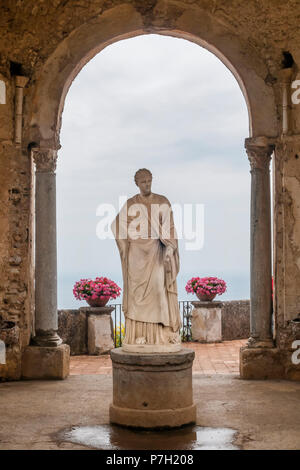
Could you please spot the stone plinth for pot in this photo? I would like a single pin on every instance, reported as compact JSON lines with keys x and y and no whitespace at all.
{"x":100,"y":329}
{"x":152,"y":390}
{"x":207,"y":322}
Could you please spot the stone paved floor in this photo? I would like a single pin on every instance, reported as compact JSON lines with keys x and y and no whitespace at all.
{"x":33,"y":414}
{"x":215,"y":358}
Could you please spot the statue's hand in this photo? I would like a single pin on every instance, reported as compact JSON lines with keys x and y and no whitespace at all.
{"x":168,"y":253}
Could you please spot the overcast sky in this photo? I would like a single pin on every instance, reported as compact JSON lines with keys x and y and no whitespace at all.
{"x":168,"y":105}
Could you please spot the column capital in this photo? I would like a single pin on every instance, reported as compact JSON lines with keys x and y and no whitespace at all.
{"x":259,"y":151}
{"x":45,"y":159}
{"x":21,"y":81}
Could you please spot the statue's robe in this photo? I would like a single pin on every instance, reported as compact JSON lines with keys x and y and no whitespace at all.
{"x":143,"y":229}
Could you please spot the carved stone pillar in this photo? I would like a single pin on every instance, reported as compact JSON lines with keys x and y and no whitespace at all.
{"x":259,"y":152}
{"x":46,"y":323}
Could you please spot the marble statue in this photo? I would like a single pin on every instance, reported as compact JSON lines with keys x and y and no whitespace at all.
{"x":147,"y":241}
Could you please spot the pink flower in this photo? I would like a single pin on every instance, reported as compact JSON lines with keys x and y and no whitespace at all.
{"x":206,"y":285}
{"x":100,"y":287}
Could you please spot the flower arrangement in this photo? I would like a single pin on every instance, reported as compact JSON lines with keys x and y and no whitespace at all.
{"x":206,"y":288}
{"x":96,"y":292}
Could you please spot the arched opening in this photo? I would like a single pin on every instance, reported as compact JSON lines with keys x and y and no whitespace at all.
{"x":170,"y":105}
{"x":44,"y":128}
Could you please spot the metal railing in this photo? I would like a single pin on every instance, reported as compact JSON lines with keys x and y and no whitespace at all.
{"x":185,"y":308}
{"x":119,"y":325}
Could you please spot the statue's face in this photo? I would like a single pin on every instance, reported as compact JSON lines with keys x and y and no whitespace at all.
{"x":144,"y":183}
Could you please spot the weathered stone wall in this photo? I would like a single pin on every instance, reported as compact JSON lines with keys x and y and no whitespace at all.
{"x":10,"y":336}
{"x":16,"y":216}
{"x":287,"y":237}
{"x":37,"y":27}
{"x":235,"y":319}
{"x":72,"y":328}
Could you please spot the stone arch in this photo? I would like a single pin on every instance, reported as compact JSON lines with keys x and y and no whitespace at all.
{"x":51,"y":83}
{"x":44,"y":106}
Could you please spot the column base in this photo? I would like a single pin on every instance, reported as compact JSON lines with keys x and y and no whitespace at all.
{"x":152,"y":390}
{"x":268,"y":363}
{"x":48,"y":339}
{"x":260,"y":344}
{"x":46,"y":362}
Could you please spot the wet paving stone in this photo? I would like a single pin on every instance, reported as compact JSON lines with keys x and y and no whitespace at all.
{"x":111,"y":437}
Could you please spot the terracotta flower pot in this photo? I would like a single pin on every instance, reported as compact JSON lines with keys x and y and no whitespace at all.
{"x":206,"y":297}
{"x":98,"y":302}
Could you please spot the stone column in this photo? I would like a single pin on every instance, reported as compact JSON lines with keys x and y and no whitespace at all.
{"x":259,"y":151}
{"x":46,"y":323}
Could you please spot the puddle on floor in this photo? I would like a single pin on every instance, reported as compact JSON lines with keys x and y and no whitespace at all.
{"x":110,"y":437}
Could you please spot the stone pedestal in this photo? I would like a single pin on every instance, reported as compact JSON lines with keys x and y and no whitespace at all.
{"x":100,"y":329}
{"x":207,"y":322}
{"x":261,"y":363}
{"x":268,"y":363}
{"x":152,"y":390}
{"x":39,"y":362}
{"x":151,"y":348}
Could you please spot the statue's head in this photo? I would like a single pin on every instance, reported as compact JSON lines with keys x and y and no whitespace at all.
{"x":143,"y":179}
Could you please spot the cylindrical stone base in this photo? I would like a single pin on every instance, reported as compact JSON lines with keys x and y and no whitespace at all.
{"x":152,"y":390}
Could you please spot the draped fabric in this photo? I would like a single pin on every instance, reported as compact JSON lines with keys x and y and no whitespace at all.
{"x":143,"y":229}
{"x":154,"y":333}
